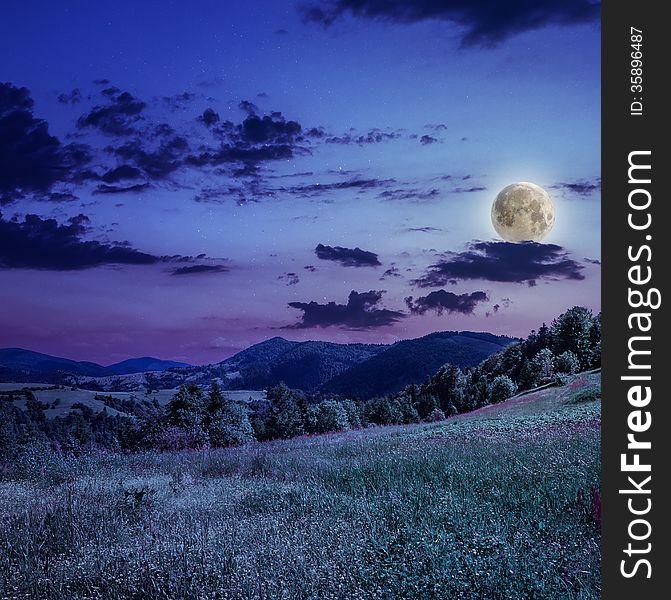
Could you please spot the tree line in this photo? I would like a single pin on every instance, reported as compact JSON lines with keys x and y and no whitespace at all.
{"x":197,"y":418}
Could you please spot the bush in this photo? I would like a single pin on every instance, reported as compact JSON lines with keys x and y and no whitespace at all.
{"x":542,"y":367}
{"x":501,"y":389}
{"x":436,"y":415}
{"x":353,"y":413}
{"x":560,"y":380}
{"x":567,"y":362}
{"x":590,"y":394}
{"x":329,"y":415}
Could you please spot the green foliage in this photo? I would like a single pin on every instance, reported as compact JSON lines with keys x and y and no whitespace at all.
{"x":226,"y":421}
{"x":193,"y":419}
{"x":501,"y":389}
{"x":353,"y":411}
{"x":186,"y":411}
{"x":576,"y":331}
{"x":590,"y":394}
{"x":567,"y":363}
{"x":329,"y":415}
{"x":447,"y":385}
{"x":287,"y":414}
{"x":384,"y":411}
{"x":542,"y":367}
{"x":463,"y":508}
{"x":436,"y":415}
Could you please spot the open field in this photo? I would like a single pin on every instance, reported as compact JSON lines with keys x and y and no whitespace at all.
{"x":65,"y":398}
{"x":483,"y":505}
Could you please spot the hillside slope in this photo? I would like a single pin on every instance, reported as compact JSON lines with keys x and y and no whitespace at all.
{"x":410,"y":361}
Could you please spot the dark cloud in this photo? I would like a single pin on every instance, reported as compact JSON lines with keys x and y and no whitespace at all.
{"x":273,"y":129}
{"x":101,"y":81}
{"x":123,"y":172}
{"x":118,"y":117}
{"x":582,"y":188}
{"x":31,"y":160}
{"x":199,"y":269}
{"x":37,"y":243}
{"x":392,"y":271}
{"x":413,"y":194}
{"x":290,"y":278}
{"x":505,"y":262}
{"x":442,"y":301}
{"x":483,"y":23}
{"x":209,"y":117}
{"x":157,"y":158}
{"x":120,"y":189}
{"x":361,"y":312}
{"x":179,"y":101}
{"x":256,"y":140}
{"x":72,"y":97}
{"x":249,"y":107}
{"x":424,"y":229}
{"x":111,"y":91}
{"x":219,"y":195}
{"x":426,"y":140}
{"x":310,"y":268}
{"x":467,"y":190}
{"x":61,"y":197}
{"x":374,"y":136}
{"x":347,"y":257}
{"x":315,"y":189}
{"x":316,"y":132}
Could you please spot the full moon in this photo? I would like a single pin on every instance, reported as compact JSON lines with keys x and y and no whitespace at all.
{"x":523,"y":212}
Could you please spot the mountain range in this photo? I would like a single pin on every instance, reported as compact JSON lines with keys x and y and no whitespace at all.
{"x":363,"y":370}
{"x":19,"y":363}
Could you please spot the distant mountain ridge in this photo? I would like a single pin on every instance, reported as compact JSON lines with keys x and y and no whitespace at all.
{"x":410,"y":361}
{"x":18,"y":362}
{"x":361,"y":370}
{"x":302,"y":365}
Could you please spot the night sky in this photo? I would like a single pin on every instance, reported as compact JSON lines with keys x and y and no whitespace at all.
{"x":183,"y":180}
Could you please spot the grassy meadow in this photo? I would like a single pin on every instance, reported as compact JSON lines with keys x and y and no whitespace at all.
{"x":498,"y":503}
{"x":62,"y":399}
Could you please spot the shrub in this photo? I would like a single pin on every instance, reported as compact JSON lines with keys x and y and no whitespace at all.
{"x":567,"y":362}
{"x":501,"y":389}
{"x":436,"y":415}
{"x":329,"y":415}
{"x":353,"y":413}
{"x":542,"y":367}
{"x":590,"y":394}
{"x":227,"y":422}
{"x":560,"y":380}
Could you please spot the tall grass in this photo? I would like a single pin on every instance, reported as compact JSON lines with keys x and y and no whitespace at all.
{"x":467,"y":508}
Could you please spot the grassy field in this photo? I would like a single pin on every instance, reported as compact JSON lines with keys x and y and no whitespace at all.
{"x":484,"y":505}
{"x":67,"y":397}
